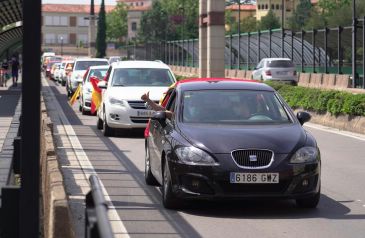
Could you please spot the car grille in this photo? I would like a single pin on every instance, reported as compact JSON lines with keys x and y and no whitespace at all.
{"x":253,"y":159}
{"x":251,"y":189}
{"x":138,"y":104}
{"x":139,"y":119}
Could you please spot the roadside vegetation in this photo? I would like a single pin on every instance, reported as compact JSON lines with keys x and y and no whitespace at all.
{"x":321,"y":101}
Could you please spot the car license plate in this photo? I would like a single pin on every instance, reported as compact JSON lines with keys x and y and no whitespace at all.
{"x":144,"y":113}
{"x":254,"y":177}
{"x":282,"y":73}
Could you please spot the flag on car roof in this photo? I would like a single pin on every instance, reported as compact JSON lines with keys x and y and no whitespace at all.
{"x":95,"y":95}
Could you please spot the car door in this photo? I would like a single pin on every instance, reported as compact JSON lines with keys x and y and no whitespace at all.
{"x":160,"y":139}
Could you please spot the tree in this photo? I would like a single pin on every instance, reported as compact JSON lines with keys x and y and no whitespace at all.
{"x":116,"y":23}
{"x":300,"y":16}
{"x":270,"y":21}
{"x":101,"y":34}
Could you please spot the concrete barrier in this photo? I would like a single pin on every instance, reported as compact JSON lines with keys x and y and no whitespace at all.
{"x":232,"y":73}
{"x":304,"y":79}
{"x":315,"y":81}
{"x":342,"y":81}
{"x":248,"y":74}
{"x":329,"y":81}
{"x":241,"y":74}
{"x":56,"y":212}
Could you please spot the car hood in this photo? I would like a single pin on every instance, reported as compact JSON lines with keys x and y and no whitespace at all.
{"x":135,"y":93}
{"x":217,"y":139}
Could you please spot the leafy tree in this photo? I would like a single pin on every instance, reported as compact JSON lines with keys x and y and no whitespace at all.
{"x":269,"y":21}
{"x":101,"y":34}
{"x":300,"y":16}
{"x":173,"y":19}
{"x":116,"y":22}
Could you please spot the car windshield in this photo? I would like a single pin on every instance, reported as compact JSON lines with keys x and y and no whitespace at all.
{"x":280,"y":64}
{"x":98,"y":73}
{"x":142,"y":77}
{"x":84,"y":65}
{"x":233,"y":107}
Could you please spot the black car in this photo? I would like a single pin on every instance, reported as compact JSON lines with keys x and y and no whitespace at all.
{"x":231,"y":139}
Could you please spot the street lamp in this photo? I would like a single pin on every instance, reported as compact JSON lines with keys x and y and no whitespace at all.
{"x":61,"y":38}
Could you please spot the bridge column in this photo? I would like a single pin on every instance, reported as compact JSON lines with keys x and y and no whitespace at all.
{"x":92,"y":30}
{"x":203,"y":39}
{"x":216,"y":38}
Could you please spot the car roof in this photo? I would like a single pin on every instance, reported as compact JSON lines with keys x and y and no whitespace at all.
{"x":140,"y":64}
{"x":277,"y":59}
{"x":225,"y":84}
{"x":100,"y":67}
{"x":91,"y":59}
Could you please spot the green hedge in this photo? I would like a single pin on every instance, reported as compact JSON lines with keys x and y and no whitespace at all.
{"x":321,"y":101}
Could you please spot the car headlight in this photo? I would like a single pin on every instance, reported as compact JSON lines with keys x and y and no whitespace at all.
{"x":305,"y":155}
{"x":116,"y":101}
{"x":194,"y":156}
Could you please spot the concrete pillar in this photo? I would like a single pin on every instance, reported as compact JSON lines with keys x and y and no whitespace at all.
{"x":216,"y":38}
{"x":92,"y":30}
{"x":92,"y":36}
{"x":203,"y":39}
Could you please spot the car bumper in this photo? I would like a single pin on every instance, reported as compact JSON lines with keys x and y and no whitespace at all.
{"x":213,"y":182}
{"x":126,"y":117}
{"x":86,"y":101}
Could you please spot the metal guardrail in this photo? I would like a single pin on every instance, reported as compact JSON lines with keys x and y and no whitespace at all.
{"x":97,"y":224}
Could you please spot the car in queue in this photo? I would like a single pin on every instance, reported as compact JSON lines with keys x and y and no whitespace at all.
{"x":78,"y":72}
{"x":126,"y":81}
{"x":231,"y":140}
{"x":276,"y":69}
{"x":66,"y":71}
{"x":56,"y":71}
{"x":98,"y":72}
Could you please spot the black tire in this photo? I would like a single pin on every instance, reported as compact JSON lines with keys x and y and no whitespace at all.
{"x":310,"y":202}
{"x":63,"y":83}
{"x":148,"y":176}
{"x":107,"y":131}
{"x":169,"y":200}
{"x":83,"y":111}
{"x":80,"y":108}
{"x":99,"y":124}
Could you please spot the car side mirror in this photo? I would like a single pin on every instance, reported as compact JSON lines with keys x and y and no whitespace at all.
{"x":102,"y":85}
{"x":159,"y":116}
{"x":303,"y":117}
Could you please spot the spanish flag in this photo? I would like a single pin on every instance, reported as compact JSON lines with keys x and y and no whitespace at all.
{"x":95,"y":95}
{"x":75,"y":96}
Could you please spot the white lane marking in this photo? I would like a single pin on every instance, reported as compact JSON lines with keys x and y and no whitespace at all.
{"x":87,"y":167}
{"x":336,"y":131}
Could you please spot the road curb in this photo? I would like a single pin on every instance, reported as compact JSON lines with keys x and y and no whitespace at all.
{"x":56,"y":211}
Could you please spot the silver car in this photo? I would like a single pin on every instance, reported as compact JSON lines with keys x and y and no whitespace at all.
{"x":278,"y":69}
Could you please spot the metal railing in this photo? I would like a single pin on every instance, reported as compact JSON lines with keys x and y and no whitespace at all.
{"x":97,"y":224}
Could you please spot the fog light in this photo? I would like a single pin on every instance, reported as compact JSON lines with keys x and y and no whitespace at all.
{"x":305,"y":182}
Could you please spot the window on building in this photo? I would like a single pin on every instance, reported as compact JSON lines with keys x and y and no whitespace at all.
{"x":277,"y":6}
{"x":134,"y":26}
{"x":272,"y":6}
{"x":259,"y":6}
{"x":50,"y":38}
{"x":81,"y":21}
{"x":266,"y":6}
{"x":82,"y":39}
{"x":141,"y":3}
{"x":55,"y":21}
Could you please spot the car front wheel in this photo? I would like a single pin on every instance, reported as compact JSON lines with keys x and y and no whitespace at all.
{"x":107,"y":131}
{"x":149,"y":178}
{"x":169,"y":200}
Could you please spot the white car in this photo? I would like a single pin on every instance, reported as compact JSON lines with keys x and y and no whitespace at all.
{"x":65,"y":67}
{"x":278,"y":69}
{"x":78,"y":72}
{"x":87,"y":88}
{"x":126,"y":82}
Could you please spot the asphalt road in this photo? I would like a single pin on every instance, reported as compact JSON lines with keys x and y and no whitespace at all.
{"x":137,"y":210}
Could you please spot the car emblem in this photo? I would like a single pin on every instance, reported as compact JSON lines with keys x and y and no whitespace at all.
{"x":253,"y":158}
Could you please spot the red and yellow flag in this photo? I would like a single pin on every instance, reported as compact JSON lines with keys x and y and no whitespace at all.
{"x":75,"y":96}
{"x":95,"y":95}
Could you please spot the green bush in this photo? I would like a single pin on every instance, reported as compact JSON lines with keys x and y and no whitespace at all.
{"x":321,"y":101}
